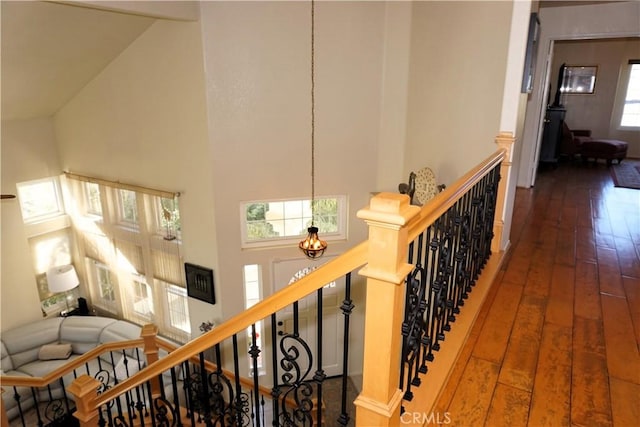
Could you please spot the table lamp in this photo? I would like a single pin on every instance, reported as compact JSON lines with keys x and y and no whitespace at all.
{"x":62,"y":279}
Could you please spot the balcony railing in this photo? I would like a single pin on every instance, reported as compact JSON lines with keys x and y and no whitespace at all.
{"x":427,"y":270}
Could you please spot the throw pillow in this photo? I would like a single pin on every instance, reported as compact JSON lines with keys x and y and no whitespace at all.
{"x":55,"y":351}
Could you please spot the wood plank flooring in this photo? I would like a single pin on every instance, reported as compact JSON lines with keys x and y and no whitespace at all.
{"x":557,"y":340}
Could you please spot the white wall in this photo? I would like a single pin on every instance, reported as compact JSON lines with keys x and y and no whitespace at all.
{"x":394,"y":97}
{"x":28,"y":153}
{"x":457,"y":74}
{"x":143,"y":121}
{"x":258,"y":88}
{"x":618,"y":19}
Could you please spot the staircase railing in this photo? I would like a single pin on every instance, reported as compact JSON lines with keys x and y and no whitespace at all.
{"x":437,"y":253}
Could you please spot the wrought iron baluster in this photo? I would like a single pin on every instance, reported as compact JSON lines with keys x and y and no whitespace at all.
{"x":319,"y":374}
{"x":405,"y":323}
{"x":449,"y":232}
{"x":295,"y":378}
{"x":346,"y":307}
{"x":458,"y":257}
{"x":241,"y":402}
{"x":296,"y":320}
{"x":477,"y":232}
{"x":116,"y":380}
{"x":203,"y":394}
{"x":422,"y":306}
{"x":433,"y":293}
{"x":440,"y":284}
{"x":262,"y":409}
{"x":275,"y":391}
{"x":427,"y":334}
{"x":465,"y":255}
{"x":412,"y":327}
{"x":176,"y":397}
{"x":254,"y":352}
{"x":147,"y":390}
{"x":18,"y":398}
{"x":65,"y":398}
{"x":189,"y":395}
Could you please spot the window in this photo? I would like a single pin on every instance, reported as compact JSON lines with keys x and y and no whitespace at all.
{"x":142,"y":298}
{"x":94,"y":205}
{"x":102,"y":287}
{"x":40,"y":199}
{"x":105,"y":285}
{"x":134,"y":268}
{"x":278,"y":222}
{"x":631,"y":108}
{"x":178,"y":308}
{"x":128,"y":210}
{"x":169,"y":218}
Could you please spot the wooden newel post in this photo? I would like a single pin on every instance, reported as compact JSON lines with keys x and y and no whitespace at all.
{"x":85,"y":389}
{"x":148,"y":334}
{"x":505,"y":140}
{"x":387,"y":216}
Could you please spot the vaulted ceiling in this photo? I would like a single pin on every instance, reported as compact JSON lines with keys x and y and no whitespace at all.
{"x":50,"y":51}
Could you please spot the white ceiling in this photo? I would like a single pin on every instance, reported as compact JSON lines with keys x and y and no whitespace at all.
{"x":50,"y":51}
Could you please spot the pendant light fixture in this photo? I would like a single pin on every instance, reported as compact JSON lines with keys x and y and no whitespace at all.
{"x":312,"y":246}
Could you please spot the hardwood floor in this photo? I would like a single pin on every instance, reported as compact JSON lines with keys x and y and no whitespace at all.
{"x":556,"y":342}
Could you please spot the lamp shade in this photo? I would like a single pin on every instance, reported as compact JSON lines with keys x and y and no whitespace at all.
{"x":62,"y":279}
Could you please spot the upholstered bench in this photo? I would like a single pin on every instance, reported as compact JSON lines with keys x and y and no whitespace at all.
{"x":606,"y":149}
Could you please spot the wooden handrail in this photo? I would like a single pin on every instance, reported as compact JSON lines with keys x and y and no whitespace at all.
{"x":9,"y":380}
{"x":437,"y":206}
{"x":332,"y":270}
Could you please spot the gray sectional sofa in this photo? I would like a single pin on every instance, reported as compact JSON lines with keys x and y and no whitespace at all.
{"x":38,"y":348}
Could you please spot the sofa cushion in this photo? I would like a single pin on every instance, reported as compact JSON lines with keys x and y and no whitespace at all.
{"x":40,"y":368}
{"x":5,"y":360}
{"x":121,"y":330}
{"x":83,"y":332}
{"x":23,"y":343}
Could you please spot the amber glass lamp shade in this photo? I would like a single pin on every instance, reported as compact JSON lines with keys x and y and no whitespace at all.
{"x":312,"y":246}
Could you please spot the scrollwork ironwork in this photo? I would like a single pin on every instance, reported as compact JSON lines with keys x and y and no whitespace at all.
{"x":225,"y":407}
{"x":295,"y":382}
{"x":165,"y":414}
{"x":449,"y":257}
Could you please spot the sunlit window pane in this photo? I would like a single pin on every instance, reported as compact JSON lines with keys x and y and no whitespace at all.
{"x":289,"y":219}
{"x":169,"y":217}
{"x":94,"y":205}
{"x":178,"y":308}
{"x":40,"y":199}
{"x":142,"y":299}
{"x":128,"y":208}
{"x":105,"y":285}
{"x":631,"y":109}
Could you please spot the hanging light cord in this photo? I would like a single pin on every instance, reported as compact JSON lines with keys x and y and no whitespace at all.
{"x":313,"y":114}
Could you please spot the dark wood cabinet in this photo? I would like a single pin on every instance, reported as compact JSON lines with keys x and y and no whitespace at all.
{"x":552,"y":134}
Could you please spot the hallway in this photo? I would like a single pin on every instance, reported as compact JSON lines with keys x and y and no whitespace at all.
{"x":556,"y":342}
